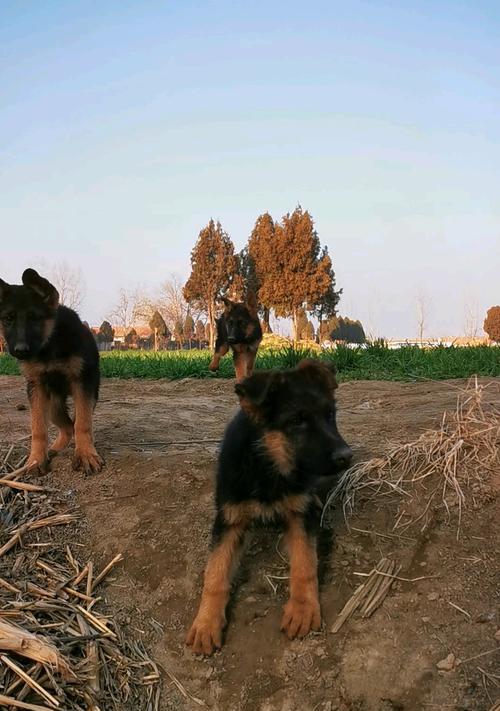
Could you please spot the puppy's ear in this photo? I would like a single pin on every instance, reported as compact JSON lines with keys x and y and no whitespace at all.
{"x":227,"y":302}
{"x":251,"y":304}
{"x":318,"y":371}
{"x":4,"y":287}
{"x":42,"y":287}
{"x":253,"y":392}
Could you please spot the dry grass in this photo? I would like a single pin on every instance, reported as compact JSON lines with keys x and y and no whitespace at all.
{"x":60,"y":647}
{"x":443,"y":467}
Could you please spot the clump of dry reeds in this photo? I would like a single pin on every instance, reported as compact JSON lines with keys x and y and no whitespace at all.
{"x":60,"y":646}
{"x":437,"y":468}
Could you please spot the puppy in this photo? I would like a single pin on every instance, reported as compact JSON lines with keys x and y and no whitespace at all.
{"x":58,"y":357}
{"x":239,"y":329}
{"x":275,"y":453}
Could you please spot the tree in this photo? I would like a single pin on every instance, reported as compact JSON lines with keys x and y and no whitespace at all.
{"x":188,"y":328}
{"x":123,"y":311}
{"x":309,"y":331}
{"x":179,"y":333}
{"x":208,"y":331}
{"x":159,"y":329}
{"x":345,"y":329}
{"x":326,"y":306}
{"x":301,"y":272}
{"x":301,"y":325}
{"x":422,"y":312}
{"x":131,"y":338}
{"x":492,"y":323}
{"x":106,"y":333}
{"x":471,"y":325}
{"x":213,"y":268}
{"x":259,"y":264}
{"x":69,"y":283}
{"x":199,"y":332}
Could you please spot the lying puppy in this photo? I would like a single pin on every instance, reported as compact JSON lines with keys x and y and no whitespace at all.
{"x":239,"y":329}
{"x":58,"y":357}
{"x":275,"y":452}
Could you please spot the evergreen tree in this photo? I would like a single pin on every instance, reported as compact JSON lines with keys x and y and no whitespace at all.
{"x":213,"y":269}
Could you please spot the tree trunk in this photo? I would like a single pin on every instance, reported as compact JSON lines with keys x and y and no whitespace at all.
{"x":156,"y":339}
{"x":266,"y":313}
{"x":295,"y":316}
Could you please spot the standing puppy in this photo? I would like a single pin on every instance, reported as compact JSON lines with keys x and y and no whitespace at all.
{"x":58,"y":358}
{"x":239,"y":329}
{"x":275,"y":452}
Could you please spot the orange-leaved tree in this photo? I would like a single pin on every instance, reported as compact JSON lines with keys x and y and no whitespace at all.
{"x":260,"y":261}
{"x":213,"y":268}
{"x":492,"y":323}
{"x":301,"y":273}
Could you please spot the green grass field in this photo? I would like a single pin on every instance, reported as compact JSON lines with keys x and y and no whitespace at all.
{"x":376,"y":362}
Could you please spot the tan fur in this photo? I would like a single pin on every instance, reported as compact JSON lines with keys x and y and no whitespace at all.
{"x":280,"y":450}
{"x":70,"y":367}
{"x":302,"y":612}
{"x":48,"y":328}
{"x":206,"y":630}
{"x":247,"y":511}
{"x":39,"y":404}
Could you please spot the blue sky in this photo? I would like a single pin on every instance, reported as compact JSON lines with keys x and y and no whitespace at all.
{"x":125,"y":126}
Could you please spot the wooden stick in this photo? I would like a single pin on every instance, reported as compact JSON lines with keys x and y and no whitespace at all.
{"x":10,"y":701}
{"x":26,"y":644}
{"x":31,"y":682}
{"x":4,"y":481}
{"x":105,"y":571}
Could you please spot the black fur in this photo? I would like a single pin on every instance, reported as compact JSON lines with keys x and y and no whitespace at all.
{"x":238,"y":329}
{"x":57,"y":352}
{"x":276,"y":453}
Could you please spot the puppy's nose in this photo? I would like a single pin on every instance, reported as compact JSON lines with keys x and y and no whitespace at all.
{"x":231,"y":339}
{"x":342,"y":457}
{"x":21,"y":350}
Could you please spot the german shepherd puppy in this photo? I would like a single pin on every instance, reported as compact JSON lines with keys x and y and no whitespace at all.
{"x":239,"y":329}
{"x":275,"y":453}
{"x":58,"y":357}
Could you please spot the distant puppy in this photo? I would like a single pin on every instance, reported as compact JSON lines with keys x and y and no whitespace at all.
{"x":275,"y":452}
{"x":58,"y":357}
{"x":239,"y":329}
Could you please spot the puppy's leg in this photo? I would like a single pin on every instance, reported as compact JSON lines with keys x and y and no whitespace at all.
{"x":205,"y":634}
{"x":302,"y":611}
{"x":240,"y":365}
{"x":39,"y":404}
{"x":221,"y":348}
{"x":86,"y":456}
{"x":251,"y":355}
{"x":60,"y":418}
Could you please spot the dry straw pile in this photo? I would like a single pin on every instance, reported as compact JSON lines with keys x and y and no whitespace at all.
{"x":447,"y":467}
{"x":58,"y":647}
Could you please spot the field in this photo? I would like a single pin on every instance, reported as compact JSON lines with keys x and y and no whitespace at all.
{"x":153,"y":503}
{"x":374,"y":362}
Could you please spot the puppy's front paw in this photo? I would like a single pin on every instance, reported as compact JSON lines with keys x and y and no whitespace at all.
{"x":205,"y":635}
{"x":88,"y":460}
{"x":300,"y":617}
{"x":38,"y":463}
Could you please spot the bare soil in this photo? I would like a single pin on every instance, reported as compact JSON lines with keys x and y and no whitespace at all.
{"x":153,"y":503}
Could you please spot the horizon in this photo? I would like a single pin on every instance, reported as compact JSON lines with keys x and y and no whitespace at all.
{"x":127,"y":127}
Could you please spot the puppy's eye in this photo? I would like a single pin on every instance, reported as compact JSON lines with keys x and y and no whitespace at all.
{"x":299,"y":419}
{"x":8,"y":318}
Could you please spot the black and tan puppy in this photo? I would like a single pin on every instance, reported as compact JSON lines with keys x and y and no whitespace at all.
{"x":275,"y":453}
{"x":239,"y":329}
{"x":59,"y":358}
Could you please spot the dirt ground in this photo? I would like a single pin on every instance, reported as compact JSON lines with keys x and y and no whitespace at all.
{"x":153,"y":503}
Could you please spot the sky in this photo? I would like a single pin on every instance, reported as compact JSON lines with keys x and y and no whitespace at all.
{"x":125,"y":126}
